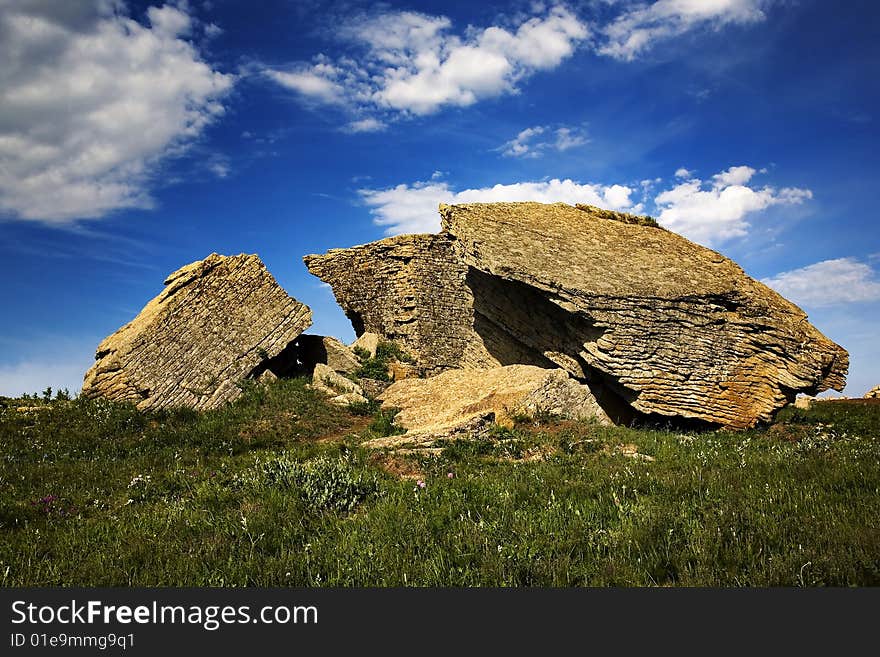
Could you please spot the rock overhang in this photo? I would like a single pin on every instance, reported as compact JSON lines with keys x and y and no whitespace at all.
{"x":672,"y":328}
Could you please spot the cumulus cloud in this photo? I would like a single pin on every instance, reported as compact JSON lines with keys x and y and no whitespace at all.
{"x":528,"y":143}
{"x":92,"y":101}
{"x":634,"y":31}
{"x":828,"y":283}
{"x":709,"y":212}
{"x":713,"y":212}
{"x":414,"y":64}
{"x":413,"y":208}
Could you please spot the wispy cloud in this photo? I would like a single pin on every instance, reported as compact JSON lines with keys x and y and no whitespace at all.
{"x":636,"y":30}
{"x":406,"y":63}
{"x":414,"y":64}
{"x":828,"y":283}
{"x":535,"y":141}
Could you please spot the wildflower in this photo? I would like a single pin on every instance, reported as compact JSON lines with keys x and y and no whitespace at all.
{"x":419,"y":484}
{"x":450,"y":475}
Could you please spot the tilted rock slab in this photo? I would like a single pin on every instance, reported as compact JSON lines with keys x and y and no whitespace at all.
{"x":670,"y":327}
{"x":436,"y":407}
{"x":218,"y":321}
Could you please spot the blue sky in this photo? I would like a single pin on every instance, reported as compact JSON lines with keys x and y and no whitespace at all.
{"x":138,"y":137}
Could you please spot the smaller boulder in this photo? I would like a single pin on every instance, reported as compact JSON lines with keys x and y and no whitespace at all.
{"x":873,"y":393}
{"x":314,"y":349}
{"x":348,"y":399}
{"x":332,"y":383}
{"x":804,"y":402}
{"x":369,"y":342}
{"x":441,"y":405}
{"x":398,"y":371}
{"x":373,"y":387}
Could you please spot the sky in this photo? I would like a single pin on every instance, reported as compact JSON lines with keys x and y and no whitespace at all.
{"x":137,"y":137}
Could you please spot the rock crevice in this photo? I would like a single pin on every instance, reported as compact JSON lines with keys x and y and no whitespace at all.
{"x":669,"y":327}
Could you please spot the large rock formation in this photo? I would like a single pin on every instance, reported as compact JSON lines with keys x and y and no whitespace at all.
{"x":669,"y":327}
{"x":439,"y":406}
{"x":218,"y":321}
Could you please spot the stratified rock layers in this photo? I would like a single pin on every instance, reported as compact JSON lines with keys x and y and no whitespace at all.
{"x":218,"y":321}
{"x":672,"y":328}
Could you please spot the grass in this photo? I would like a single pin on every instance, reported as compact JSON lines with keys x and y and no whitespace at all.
{"x":275,"y":491}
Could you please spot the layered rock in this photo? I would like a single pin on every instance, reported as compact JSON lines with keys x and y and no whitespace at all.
{"x":873,"y":393}
{"x":442,"y":405}
{"x":341,"y":390}
{"x":672,"y":328}
{"x":217,"y":322}
{"x":315,"y":349}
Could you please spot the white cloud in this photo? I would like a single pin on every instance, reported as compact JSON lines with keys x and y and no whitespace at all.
{"x":683,"y":173}
{"x":637,"y":29}
{"x":91,"y":102}
{"x":711,"y":215}
{"x":567,"y":138}
{"x":413,"y":208}
{"x":519,"y":146}
{"x":733,"y":176}
{"x":310,"y":84}
{"x":527,"y":144}
{"x":366,"y":125}
{"x":412,"y":63}
{"x":705,"y":212}
{"x":828,"y":283}
{"x":219,"y":166}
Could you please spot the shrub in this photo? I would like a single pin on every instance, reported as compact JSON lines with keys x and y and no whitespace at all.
{"x":383,"y":423}
{"x":322,"y":483}
{"x":377,"y":366}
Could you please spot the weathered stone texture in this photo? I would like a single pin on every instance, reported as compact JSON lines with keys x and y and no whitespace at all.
{"x":409,"y":290}
{"x":677,"y":328}
{"x":873,"y":393}
{"x":672,"y":328}
{"x":441,"y":405}
{"x":218,"y":321}
{"x":313,"y":349}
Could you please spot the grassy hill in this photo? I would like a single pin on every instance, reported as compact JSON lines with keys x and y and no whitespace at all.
{"x":275,"y":491}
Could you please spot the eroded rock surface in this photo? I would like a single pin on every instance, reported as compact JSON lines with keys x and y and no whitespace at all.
{"x":873,"y":393}
{"x":314,"y":349}
{"x":218,"y":321}
{"x":445,"y":404}
{"x":670,"y":327}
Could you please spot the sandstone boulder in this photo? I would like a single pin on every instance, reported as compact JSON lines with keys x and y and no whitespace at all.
{"x":873,"y":393}
{"x":314,"y":349}
{"x":445,"y":404}
{"x":668,"y":327}
{"x":804,"y":402}
{"x":369,"y":342}
{"x":217,"y":322}
{"x":326,"y":379}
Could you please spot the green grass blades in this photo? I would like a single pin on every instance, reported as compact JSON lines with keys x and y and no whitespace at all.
{"x":275,"y":490}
